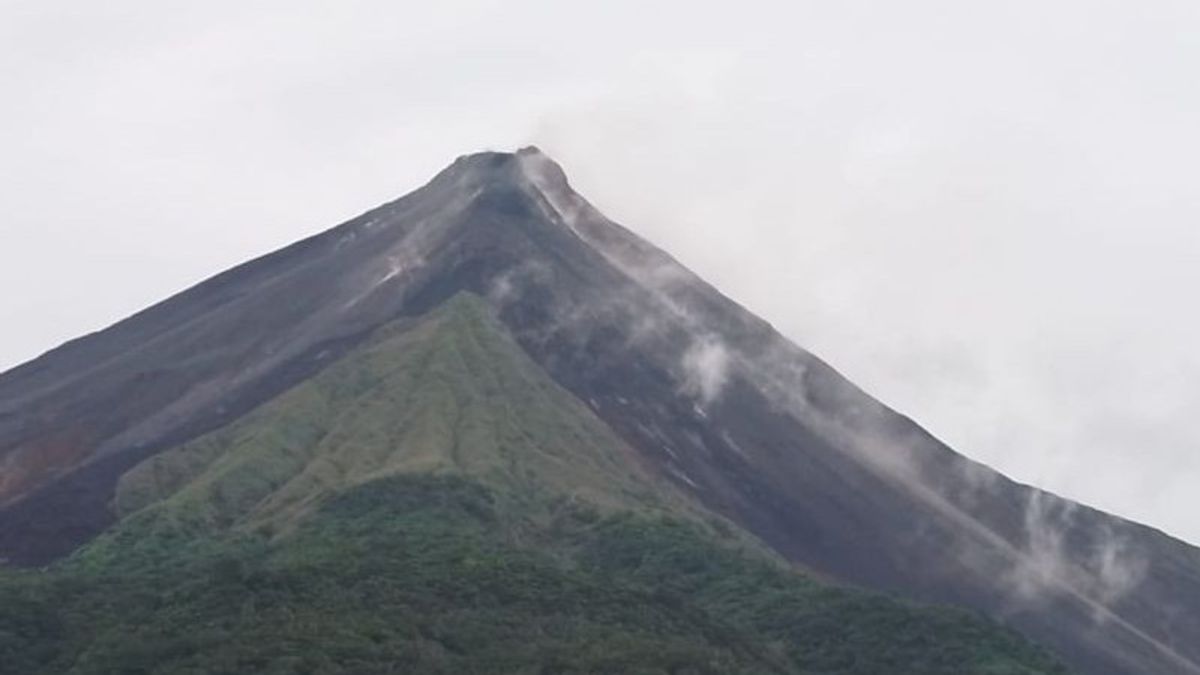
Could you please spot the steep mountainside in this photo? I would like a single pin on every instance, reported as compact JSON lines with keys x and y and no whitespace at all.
{"x":432,"y":503}
{"x":682,"y":387}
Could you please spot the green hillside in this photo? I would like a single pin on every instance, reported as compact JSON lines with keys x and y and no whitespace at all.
{"x":452,"y":393}
{"x":433,"y":503}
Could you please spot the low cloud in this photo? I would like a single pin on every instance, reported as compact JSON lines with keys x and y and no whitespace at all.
{"x":1102,"y":565}
{"x":706,"y":369}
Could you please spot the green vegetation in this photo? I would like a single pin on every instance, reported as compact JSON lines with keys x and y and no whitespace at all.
{"x":435,"y":504}
{"x":452,"y":393}
{"x":428,"y":574}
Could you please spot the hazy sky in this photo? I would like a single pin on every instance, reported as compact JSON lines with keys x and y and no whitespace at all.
{"x":985,"y":213}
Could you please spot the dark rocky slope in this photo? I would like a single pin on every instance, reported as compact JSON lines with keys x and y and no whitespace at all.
{"x":708,"y":396}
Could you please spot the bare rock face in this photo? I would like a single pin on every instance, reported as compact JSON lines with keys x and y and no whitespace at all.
{"x":709,"y":396}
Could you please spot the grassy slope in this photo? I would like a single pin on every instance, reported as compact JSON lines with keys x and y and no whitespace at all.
{"x":451,"y":394}
{"x":434,"y":504}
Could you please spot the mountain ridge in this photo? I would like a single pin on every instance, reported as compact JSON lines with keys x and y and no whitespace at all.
{"x":713,"y":399}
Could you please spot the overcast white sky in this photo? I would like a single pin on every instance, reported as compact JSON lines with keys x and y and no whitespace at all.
{"x":985,"y":213}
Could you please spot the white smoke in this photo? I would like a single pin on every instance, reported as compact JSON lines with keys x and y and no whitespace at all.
{"x":560,"y":205}
{"x":507,"y":286}
{"x":1044,"y":567}
{"x":1120,"y":568}
{"x":706,"y":368}
{"x":1100,"y":570}
{"x":1111,"y":569}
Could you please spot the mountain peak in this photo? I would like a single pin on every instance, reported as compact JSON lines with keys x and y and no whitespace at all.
{"x":527,"y":169}
{"x":530,"y":150}
{"x":501,"y":159}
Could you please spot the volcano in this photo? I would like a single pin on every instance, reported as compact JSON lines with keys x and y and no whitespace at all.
{"x":488,"y":383}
